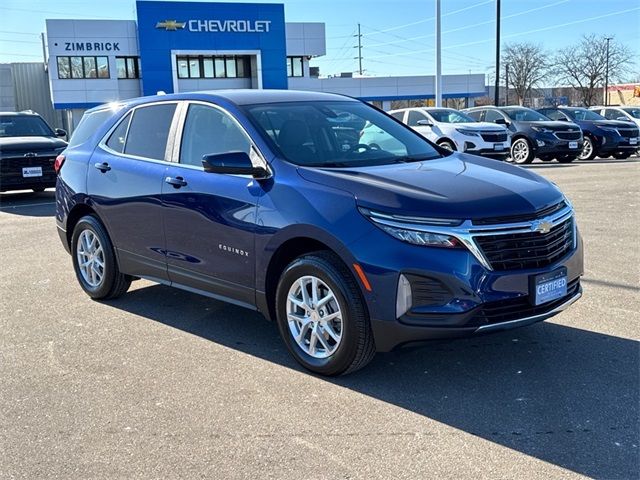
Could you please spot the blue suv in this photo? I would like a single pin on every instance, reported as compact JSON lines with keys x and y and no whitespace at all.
{"x":268,"y":200}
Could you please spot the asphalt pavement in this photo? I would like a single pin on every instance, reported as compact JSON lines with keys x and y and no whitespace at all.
{"x":166,"y":384}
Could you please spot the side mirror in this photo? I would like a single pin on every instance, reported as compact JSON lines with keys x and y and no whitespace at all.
{"x":501,"y":121}
{"x":425,"y":123}
{"x":234,"y":163}
{"x":60,"y":132}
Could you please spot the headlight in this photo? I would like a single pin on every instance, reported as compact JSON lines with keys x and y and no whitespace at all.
{"x":414,"y":232}
{"x":542,"y":129}
{"x":425,"y":239}
{"x":466,"y":131}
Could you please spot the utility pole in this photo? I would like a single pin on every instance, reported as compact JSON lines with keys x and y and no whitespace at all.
{"x":438,"y":82}
{"x":606,"y":75}
{"x":506,"y":84}
{"x":359,"y":47}
{"x":497,"y":83}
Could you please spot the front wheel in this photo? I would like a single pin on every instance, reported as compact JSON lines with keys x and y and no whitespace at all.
{"x":94,"y":261}
{"x":322,"y":316}
{"x":588,"y":150}
{"x":521,"y":151}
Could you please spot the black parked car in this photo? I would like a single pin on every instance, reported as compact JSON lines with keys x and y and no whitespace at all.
{"x":28,"y":149}
{"x":533,"y":134}
{"x":602,"y":137}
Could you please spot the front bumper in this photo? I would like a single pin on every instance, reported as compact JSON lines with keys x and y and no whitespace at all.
{"x":548,"y":144}
{"x":614,"y":143}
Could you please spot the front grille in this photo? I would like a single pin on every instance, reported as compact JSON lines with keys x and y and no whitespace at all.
{"x":514,"y":251}
{"x":494,"y":137}
{"x":563,"y":135}
{"x":521,"y":218}
{"x":427,"y":291}
{"x":521,"y":307}
{"x":11,"y":171}
{"x":10,"y":164}
{"x":628,"y":132}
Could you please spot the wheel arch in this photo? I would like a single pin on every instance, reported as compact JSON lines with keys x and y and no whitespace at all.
{"x":78,"y":211}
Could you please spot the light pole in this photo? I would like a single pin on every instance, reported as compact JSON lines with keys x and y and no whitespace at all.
{"x":497,"y":84}
{"x":438,"y":82}
{"x":606,"y":75}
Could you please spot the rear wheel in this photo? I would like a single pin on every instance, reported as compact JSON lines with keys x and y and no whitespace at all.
{"x":94,"y":261}
{"x":521,"y":151}
{"x":449,"y":145}
{"x":322,"y":316}
{"x":588,"y":150}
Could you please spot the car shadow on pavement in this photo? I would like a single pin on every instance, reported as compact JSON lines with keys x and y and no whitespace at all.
{"x":563,"y":395}
{"x":29,"y":204}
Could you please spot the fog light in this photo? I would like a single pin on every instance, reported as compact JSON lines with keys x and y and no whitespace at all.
{"x":540,"y":143}
{"x":403,"y":299}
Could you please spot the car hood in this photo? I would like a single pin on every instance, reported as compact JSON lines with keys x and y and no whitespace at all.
{"x":552,"y":125}
{"x":613,"y":123}
{"x":484,"y":126}
{"x":458,"y":186}
{"x":35,"y":144}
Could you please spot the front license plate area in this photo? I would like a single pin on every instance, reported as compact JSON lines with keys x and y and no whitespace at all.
{"x":549,"y":286}
{"x":573,"y":144}
{"x":633,"y":141}
{"x":498,"y":146}
{"x":31,"y":172}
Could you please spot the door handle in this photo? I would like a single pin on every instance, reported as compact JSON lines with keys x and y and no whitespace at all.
{"x":177,"y":182}
{"x":103,"y":167}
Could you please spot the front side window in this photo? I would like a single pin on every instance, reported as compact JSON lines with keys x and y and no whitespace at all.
{"x":24,"y":126}
{"x":210,"y":131}
{"x":492,"y":116}
{"x":450,"y":116}
{"x":316,"y":134}
{"x":149,"y":131}
{"x":414,"y":117}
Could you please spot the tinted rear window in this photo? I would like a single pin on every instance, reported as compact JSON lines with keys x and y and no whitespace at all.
{"x":149,"y":131}
{"x":89,"y":124}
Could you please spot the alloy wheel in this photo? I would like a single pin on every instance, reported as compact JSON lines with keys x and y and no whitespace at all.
{"x":314,"y":317}
{"x":90,"y":258}
{"x":587,"y":149}
{"x":520,"y":151}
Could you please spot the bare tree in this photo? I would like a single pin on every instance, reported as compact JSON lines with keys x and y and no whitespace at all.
{"x":528,"y":67}
{"x":583,"y":66}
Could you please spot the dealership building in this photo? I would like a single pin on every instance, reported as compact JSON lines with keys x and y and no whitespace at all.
{"x":180,"y":47}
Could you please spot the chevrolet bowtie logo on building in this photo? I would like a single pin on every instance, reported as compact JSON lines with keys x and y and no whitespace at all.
{"x":170,"y":25}
{"x":542,"y":227}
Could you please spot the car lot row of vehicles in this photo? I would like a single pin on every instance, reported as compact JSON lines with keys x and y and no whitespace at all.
{"x":521,"y":134}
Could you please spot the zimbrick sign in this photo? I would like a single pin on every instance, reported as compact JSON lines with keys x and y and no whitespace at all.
{"x":92,"y":46}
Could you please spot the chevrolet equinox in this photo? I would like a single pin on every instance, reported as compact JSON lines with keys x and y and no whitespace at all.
{"x":271,"y":201}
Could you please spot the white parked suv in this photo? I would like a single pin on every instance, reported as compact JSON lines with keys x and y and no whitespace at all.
{"x":628,"y":113}
{"x":456,"y":130}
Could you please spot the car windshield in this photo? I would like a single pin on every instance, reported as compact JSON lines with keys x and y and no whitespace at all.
{"x":24,"y":126}
{"x":524,"y":115}
{"x":582,"y":114}
{"x":338,"y":134}
{"x":450,"y":116}
{"x":634,"y":112}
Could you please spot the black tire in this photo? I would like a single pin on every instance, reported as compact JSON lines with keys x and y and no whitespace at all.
{"x":449,"y":145}
{"x":546,"y":158}
{"x":38,"y":190}
{"x":113,"y":283}
{"x":588,"y":149}
{"x":621,"y":155}
{"x":566,"y":158}
{"x":522,"y":143}
{"x":357,"y":347}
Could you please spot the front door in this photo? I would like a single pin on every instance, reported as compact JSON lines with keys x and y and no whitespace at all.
{"x":210,"y":218}
{"x":125,"y":180}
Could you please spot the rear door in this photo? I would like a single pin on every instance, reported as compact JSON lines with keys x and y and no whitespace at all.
{"x":210,"y":218}
{"x":125,"y":181}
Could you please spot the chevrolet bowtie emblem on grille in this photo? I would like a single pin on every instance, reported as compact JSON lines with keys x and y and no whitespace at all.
{"x":170,"y":25}
{"x":31,"y":154}
{"x":542,"y":227}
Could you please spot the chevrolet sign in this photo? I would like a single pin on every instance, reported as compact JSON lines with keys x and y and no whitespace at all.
{"x":218,"y":26}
